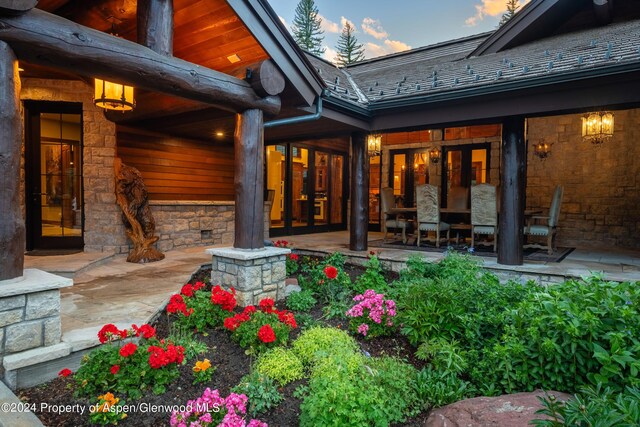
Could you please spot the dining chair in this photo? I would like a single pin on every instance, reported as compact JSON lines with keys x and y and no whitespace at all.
{"x":548,"y":228}
{"x":428,"y":212}
{"x":394,"y":221}
{"x":484,"y":213}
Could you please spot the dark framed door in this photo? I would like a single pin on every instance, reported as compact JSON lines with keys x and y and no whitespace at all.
{"x":408,"y":169}
{"x":53,"y":175}
{"x":309,"y":186}
{"x":464,"y":166}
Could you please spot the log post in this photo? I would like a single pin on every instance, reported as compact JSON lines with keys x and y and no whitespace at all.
{"x":155,"y":25}
{"x":12,"y":233}
{"x":249,"y":180}
{"x":359,"y":220}
{"x":512,"y":187}
{"x":16,"y":7}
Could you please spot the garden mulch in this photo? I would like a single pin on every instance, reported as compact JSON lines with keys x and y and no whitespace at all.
{"x":231,"y":365}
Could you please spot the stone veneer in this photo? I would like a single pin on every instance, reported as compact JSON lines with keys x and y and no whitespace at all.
{"x":254,"y":274}
{"x":29,"y":319}
{"x":103,"y":228}
{"x":181,"y":224}
{"x":601,"y":204}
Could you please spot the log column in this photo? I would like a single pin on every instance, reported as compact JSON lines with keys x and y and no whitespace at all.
{"x":512,"y":188}
{"x":155,"y":25}
{"x":359,"y":220}
{"x":12,"y":232}
{"x":249,"y":180}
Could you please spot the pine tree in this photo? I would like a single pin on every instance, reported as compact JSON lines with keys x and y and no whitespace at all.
{"x":349,"y":50}
{"x":512,"y":8}
{"x":306,"y":27}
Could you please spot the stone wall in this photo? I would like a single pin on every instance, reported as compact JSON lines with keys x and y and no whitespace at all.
{"x":103,"y":228}
{"x":181,"y":224}
{"x":601,"y":205}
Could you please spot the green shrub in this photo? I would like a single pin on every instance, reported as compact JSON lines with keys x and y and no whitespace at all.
{"x":372,"y":278}
{"x":573,"y":334}
{"x":443,"y":355}
{"x":301,"y":301}
{"x":328,"y":290}
{"x":592,"y":407}
{"x":281,"y":365}
{"x":318,"y":342}
{"x":261,"y":391}
{"x":306,"y":321}
{"x":439,"y":388}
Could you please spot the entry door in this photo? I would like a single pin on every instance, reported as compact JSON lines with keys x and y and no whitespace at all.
{"x":53,"y":175}
{"x":408,"y":169}
{"x":465,"y":166}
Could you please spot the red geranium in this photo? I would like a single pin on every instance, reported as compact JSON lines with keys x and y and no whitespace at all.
{"x":266,"y":334}
{"x":114,"y":369}
{"x":198,"y":286}
{"x":187,"y":290}
{"x":159,"y":357}
{"x":293,"y":257}
{"x":64,"y":373}
{"x":225,"y":299}
{"x":128,"y":349}
{"x":147,"y":331}
{"x":232,"y":323}
{"x":249,"y":310}
{"x":107,"y":332}
{"x":123,"y":333}
{"x":287,"y":318}
{"x":177,"y":304}
{"x":266,"y":305}
{"x":331,"y":272}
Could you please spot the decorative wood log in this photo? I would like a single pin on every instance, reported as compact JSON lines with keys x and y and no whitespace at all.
{"x":359,"y":221}
{"x":512,"y":187}
{"x":16,"y":7}
{"x":249,"y":180}
{"x":12,"y":234}
{"x":265,"y":78}
{"x":44,"y":39}
{"x":131,"y":195}
{"x":155,"y":25}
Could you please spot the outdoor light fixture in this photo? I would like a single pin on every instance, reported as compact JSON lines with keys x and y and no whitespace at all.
{"x":542,"y":150}
{"x":434,"y":155}
{"x":597,"y":128}
{"x":113,"y":96}
{"x":373,"y":144}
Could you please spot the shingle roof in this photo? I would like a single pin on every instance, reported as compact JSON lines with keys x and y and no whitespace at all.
{"x":444,"y":67}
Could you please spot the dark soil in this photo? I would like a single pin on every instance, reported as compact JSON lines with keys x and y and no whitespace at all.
{"x":231,"y":365}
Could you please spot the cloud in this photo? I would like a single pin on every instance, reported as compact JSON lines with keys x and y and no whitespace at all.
{"x":328,"y":26}
{"x":330,"y":54}
{"x":373,"y":27}
{"x":343,"y":22}
{"x":489,"y":8}
{"x":388,"y":46}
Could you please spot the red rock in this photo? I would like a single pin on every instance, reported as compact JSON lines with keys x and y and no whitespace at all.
{"x":510,"y":410}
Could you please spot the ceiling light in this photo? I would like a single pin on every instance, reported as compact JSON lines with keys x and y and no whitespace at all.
{"x":233,"y":58}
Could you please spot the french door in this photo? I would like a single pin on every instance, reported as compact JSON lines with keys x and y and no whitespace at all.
{"x":407,"y":170}
{"x":464,"y":166}
{"x":53,"y":175}
{"x":308,"y":186}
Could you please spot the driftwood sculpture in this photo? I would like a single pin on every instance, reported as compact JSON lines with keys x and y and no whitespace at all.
{"x":131,"y":195}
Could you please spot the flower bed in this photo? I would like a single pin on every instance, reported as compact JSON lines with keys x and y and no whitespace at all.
{"x":358,"y":349}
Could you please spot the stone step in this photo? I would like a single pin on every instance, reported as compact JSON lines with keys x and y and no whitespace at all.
{"x":15,"y":418}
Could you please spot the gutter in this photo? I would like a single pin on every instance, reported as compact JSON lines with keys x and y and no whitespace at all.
{"x":299,"y":119}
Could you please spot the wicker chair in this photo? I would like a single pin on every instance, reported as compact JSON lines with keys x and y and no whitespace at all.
{"x":549,"y":223}
{"x":428,"y":212}
{"x":393,"y":221}
{"x":484,"y":213}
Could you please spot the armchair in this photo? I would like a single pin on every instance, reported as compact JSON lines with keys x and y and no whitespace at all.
{"x":428,"y":212}
{"x":390,"y":220}
{"x":484,"y":213}
{"x":549,"y":223}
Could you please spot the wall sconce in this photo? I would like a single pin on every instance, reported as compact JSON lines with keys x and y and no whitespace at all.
{"x":374,"y":143}
{"x":597,"y":128}
{"x":542,"y":150}
{"x":434,"y":155}
{"x":113,"y":96}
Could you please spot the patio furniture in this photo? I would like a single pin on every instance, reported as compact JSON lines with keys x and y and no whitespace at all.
{"x":457,"y":198}
{"x":550,"y":222}
{"x":484,"y":213}
{"x":428,"y":212}
{"x":390,"y":219}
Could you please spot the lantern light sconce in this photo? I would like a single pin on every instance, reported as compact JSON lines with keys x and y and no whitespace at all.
{"x":597,"y":128}
{"x":542,"y":150}
{"x":374,"y":143}
{"x":113,"y":96}
{"x":434,"y":155}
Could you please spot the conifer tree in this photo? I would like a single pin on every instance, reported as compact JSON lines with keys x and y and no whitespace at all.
{"x":512,"y":8}
{"x":306,"y":27}
{"x":349,"y":50}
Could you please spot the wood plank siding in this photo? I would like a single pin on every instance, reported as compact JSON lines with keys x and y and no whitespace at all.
{"x":178,"y":168}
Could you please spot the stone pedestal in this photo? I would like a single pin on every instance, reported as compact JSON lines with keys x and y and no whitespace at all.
{"x":254,"y":274}
{"x":29,"y":319}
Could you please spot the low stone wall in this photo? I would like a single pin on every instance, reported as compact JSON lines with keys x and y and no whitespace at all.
{"x":181,"y":224}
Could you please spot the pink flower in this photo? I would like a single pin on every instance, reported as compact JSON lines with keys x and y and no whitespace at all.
{"x":363,"y":328}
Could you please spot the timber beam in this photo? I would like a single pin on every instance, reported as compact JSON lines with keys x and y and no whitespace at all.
{"x":45,"y":39}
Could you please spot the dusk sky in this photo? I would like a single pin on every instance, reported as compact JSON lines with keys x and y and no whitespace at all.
{"x":388,"y":26}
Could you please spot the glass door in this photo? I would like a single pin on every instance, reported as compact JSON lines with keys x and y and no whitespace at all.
{"x":54,"y":175}
{"x":465,"y":166}
{"x":408,"y":169}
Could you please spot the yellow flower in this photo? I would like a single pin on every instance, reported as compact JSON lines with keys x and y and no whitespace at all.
{"x":202,"y":366}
